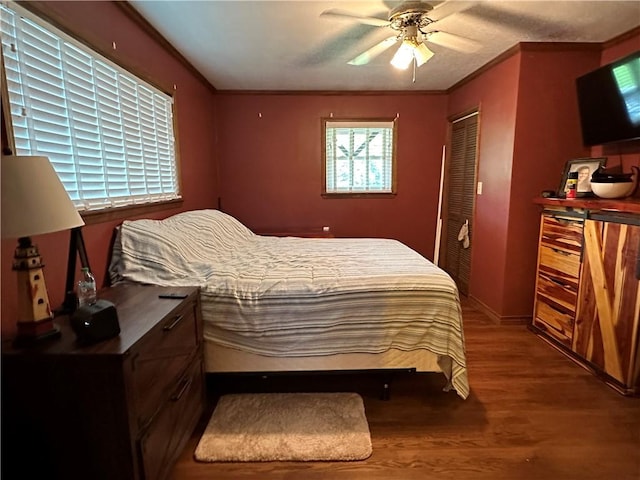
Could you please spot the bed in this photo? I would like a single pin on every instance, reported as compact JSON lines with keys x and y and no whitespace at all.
{"x":287,"y":304}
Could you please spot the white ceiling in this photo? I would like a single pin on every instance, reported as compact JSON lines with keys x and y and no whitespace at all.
{"x":287,"y":45}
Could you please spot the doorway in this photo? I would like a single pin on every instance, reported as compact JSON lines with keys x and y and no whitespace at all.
{"x":459,"y":199}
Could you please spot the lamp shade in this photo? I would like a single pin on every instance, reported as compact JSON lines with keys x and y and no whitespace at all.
{"x":422,"y":54}
{"x":403,"y":57}
{"x":34,"y":200}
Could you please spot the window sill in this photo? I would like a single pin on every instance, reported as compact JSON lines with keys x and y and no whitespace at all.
{"x":359,"y":195}
{"x":92,"y":217}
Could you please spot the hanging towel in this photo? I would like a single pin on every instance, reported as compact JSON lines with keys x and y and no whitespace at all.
{"x":463,"y":236}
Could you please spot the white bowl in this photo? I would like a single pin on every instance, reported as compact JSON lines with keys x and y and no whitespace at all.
{"x":612,"y":190}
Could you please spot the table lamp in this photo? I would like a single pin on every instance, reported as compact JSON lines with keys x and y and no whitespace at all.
{"x":34,"y":202}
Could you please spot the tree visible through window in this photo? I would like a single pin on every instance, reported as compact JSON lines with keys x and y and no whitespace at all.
{"x":109,"y":134}
{"x":359,"y":156}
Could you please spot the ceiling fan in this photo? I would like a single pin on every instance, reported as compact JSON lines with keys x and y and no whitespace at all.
{"x":413,"y":23}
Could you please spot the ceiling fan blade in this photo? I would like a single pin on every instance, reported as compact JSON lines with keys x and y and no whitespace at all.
{"x":344,"y":15}
{"x":453,"y":41}
{"x":391,"y":4}
{"x":448,"y":8}
{"x":328,"y":50}
{"x":367,"y":56}
{"x":517,"y":22}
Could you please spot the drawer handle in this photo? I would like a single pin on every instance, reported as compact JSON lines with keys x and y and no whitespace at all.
{"x":558,"y":310}
{"x":562,"y":221}
{"x":565,"y":222}
{"x":561,"y":252}
{"x":172,"y":325}
{"x":558,"y":282}
{"x":186,"y":383}
{"x":544,"y":326}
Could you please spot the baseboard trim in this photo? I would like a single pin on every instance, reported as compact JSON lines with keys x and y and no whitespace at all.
{"x":495,"y":317}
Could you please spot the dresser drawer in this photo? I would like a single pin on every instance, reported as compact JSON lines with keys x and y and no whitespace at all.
{"x":559,"y":263}
{"x":562,"y":233}
{"x":554,"y":320}
{"x":163,"y":355}
{"x":561,"y":291}
{"x":167,"y":435}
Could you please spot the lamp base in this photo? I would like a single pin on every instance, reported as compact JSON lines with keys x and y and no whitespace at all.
{"x":34,"y":333}
{"x":69,"y":305}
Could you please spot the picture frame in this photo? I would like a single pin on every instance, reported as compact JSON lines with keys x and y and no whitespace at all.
{"x":585,"y":167}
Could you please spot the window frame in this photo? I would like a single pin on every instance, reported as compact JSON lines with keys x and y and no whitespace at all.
{"x":40,"y":14}
{"x":364,"y":121}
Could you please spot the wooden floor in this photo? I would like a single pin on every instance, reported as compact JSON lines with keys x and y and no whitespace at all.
{"x":532,"y":414}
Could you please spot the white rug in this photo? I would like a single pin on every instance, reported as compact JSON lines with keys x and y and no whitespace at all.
{"x":286,"y":427}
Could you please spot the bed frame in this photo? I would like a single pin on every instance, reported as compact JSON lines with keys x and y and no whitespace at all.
{"x":224,"y":360}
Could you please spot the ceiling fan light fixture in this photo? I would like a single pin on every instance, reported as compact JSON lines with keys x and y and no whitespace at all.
{"x":422,"y":54}
{"x":403,"y":57}
{"x":409,"y":49}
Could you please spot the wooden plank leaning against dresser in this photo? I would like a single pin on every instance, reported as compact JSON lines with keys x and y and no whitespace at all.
{"x":606,"y":331}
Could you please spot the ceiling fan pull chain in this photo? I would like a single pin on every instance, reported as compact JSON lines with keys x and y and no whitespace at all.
{"x":414,"y":69}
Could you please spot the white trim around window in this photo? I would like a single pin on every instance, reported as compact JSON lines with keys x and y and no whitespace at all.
{"x":359,"y":156}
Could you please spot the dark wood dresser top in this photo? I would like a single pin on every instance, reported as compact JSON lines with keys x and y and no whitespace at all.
{"x":622,"y":205}
{"x":139,"y":308}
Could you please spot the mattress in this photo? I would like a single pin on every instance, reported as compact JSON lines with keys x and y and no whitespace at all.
{"x":289,"y":297}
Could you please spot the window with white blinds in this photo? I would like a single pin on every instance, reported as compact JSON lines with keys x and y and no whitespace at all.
{"x":109,"y":135}
{"x":359,"y":156}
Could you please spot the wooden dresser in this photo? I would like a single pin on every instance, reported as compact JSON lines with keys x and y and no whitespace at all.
{"x":587,"y":300}
{"x":119,"y":409}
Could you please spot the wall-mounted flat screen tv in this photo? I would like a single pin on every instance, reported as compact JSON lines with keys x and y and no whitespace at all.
{"x":609,"y":102}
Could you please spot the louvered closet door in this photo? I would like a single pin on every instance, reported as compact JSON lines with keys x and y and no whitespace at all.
{"x":460,"y":197}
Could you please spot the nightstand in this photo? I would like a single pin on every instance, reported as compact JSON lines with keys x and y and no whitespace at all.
{"x":120,"y":409}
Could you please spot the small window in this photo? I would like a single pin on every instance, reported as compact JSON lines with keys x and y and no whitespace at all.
{"x":359,"y":156}
{"x":109,"y":134}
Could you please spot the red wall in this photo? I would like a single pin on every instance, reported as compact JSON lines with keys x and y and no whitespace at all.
{"x":103,"y":23}
{"x":270,"y":163}
{"x":547,"y":135}
{"x":529,"y":128}
{"x":495,"y":92}
{"x":621,"y":49}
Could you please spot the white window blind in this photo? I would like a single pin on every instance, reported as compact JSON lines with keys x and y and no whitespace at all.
{"x":109,"y":135}
{"x":359,"y":156}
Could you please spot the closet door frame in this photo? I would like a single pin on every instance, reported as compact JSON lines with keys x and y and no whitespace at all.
{"x":457,"y":207}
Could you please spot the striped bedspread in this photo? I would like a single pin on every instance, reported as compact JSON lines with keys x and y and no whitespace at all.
{"x":294,"y":296}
